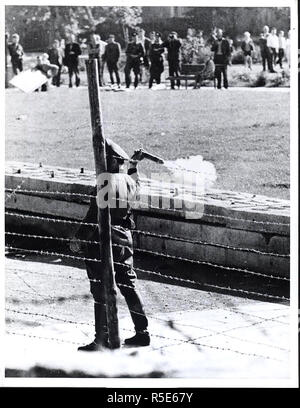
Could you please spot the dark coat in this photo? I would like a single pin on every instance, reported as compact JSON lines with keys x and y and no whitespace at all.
{"x":225,"y":49}
{"x":16,"y":52}
{"x":72,"y":59}
{"x":156,"y":58}
{"x":112,"y":52}
{"x":173,"y":47}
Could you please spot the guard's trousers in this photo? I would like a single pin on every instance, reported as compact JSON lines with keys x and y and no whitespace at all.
{"x":125,"y":277}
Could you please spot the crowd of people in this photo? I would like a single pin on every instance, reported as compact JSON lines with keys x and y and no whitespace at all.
{"x":274,"y":48}
{"x":145,"y":56}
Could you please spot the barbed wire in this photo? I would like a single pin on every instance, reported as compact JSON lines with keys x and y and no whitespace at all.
{"x":189,"y":341}
{"x":223,"y":333}
{"x":55,"y":220}
{"x":33,"y":336}
{"x":47,"y":274}
{"x":47,"y":316}
{"x":228,"y":288}
{"x":154,"y":253}
{"x":66,"y":193}
{"x":198,"y":303}
{"x":186,"y":240}
{"x":147,"y":205}
{"x":29,"y":286}
{"x":13,"y":191}
{"x":228,"y":268}
{"x":49,"y":253}
{"x":200,"y":242}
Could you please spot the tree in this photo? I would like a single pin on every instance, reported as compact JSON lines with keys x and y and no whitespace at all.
{"x":126,"y":17}
{"x":53,"y":21}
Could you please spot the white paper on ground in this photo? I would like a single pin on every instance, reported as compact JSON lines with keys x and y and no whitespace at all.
{"x":28,"y":81}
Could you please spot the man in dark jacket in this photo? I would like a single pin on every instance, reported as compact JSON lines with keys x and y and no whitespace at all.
{"x":173,"y":46}
{"x":122,"y":188}
{"x":156,"y":60}
{"x":134,"y":54}
{"x":111,"y":57}
{"x":222,"y":53}
{"x":72,"y":51}
{"x":16,"y":52}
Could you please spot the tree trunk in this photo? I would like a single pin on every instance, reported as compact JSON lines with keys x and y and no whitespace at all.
{"x":90,"y":17}
{"x":125,"y":34}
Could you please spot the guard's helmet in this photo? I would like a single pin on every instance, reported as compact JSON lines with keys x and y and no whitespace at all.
{"x":114,"y":150}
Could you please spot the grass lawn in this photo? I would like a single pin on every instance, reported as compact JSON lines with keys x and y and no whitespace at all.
{"x":243,"y":132}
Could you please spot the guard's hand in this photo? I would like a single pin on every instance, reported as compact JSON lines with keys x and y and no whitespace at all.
{"x":137,"y":156}
{"x":75,"y":245}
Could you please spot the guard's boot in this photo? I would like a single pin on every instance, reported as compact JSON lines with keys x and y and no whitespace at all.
{"x":101,"y":332}
{"x":77,"y":81}
{"x":90,"y":347}
{"x":140,"y":339}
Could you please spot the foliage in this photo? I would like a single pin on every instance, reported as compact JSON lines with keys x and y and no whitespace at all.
{"x":62,"y":20}
{"x":235,"y":20}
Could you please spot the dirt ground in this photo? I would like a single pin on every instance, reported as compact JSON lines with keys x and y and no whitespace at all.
{"x":194,"y":333}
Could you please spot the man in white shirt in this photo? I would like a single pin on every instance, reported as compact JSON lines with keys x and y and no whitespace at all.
{"x":282,"y":47}
{"x":273,"y":44}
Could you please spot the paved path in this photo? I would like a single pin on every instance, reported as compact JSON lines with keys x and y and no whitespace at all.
{"x":211,"y":335}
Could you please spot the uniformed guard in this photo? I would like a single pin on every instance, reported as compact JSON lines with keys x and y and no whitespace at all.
{"x":134,"y":54}
{"x":123,"y":186}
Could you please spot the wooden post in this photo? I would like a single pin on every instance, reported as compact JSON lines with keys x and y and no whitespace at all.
{"x":6,"y":52}
{"x":107,"y":267}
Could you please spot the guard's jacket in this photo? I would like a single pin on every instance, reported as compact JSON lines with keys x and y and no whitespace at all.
{"x":123,"y":187}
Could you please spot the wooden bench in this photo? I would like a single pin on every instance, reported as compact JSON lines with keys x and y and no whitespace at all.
{"x":189,"y":72}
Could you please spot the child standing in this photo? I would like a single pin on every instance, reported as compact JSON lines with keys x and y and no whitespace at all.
{"x":16,"y":52}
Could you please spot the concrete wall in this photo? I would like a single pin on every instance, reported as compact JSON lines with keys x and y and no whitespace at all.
{"x":254,"y":227}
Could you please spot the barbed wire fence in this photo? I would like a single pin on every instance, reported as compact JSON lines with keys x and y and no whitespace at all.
{"x":43,"y":249}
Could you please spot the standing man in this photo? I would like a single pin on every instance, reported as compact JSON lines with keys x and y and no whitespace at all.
{"x":156,"y":60}
{"x":282,"y":47}
{"x":264,"y":49}
{"x":122,"y":187}
{"x":72,"y":52}
{"x":173,"y":46}
{"x":288,"y":49}
{"x":221,"y":49}
{"x":146,"y":43}
{"x":111,"y":56}
{"x":134,"y":54}
{"x":273,"y":45}
{"x":56,"y":56}
{"x":16,"y":52}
